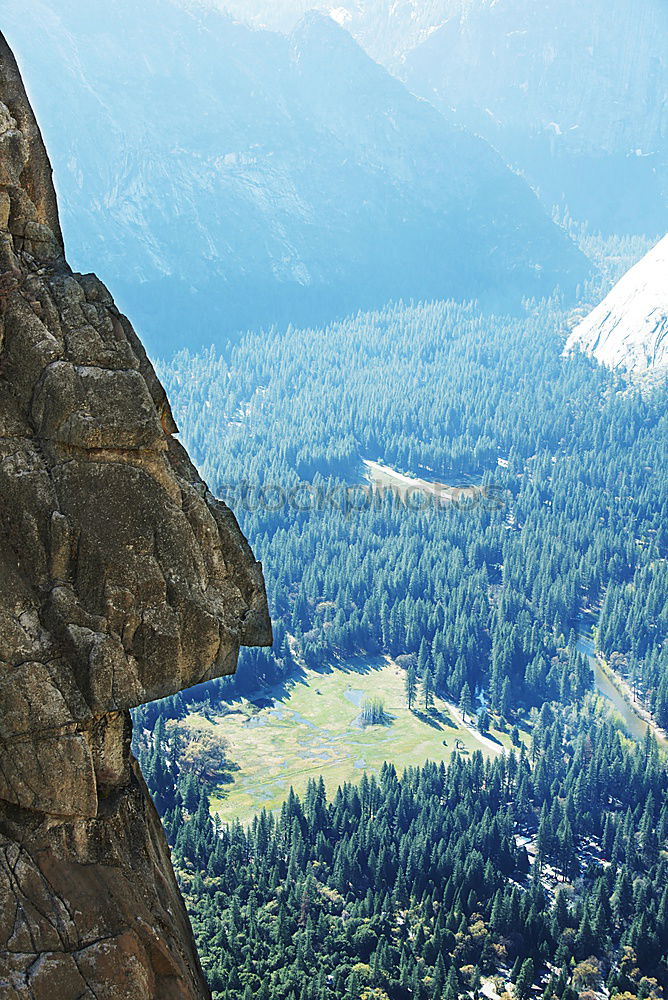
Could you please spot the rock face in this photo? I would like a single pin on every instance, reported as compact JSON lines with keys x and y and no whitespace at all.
{"x":628,"y":331}
{"x":122,"y":580}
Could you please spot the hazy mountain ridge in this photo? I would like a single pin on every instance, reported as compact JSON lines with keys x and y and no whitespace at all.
{"x":387,"y":30}
{"x":277,"y":179}
{"x":575,"y":95}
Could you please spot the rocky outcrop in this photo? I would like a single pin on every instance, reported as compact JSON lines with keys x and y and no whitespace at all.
{"x":628,"y":331}
{"x":122,"y":580}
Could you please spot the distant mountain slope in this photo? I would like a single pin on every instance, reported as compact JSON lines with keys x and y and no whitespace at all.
{"x":574,"y":94}
{"x":387,"y":29}
{"x":275,"y":179}
{"x":628,"y":331}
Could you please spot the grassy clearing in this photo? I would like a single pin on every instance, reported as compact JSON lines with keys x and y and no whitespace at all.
{"x":311,"y":729}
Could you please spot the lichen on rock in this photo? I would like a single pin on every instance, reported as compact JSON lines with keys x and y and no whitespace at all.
{"x":122,"y":580}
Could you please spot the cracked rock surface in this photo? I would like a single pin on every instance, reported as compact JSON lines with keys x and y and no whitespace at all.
{"x":122,"y":580}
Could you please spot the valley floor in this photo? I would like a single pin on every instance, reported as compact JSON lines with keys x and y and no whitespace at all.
{"x":311,"y":728}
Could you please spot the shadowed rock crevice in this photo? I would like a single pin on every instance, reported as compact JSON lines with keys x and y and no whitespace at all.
{"x":122,"y":580}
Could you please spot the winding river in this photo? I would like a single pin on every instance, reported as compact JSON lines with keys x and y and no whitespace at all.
{"x":635,"y":725}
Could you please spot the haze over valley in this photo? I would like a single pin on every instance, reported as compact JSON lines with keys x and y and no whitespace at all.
{"x":244,"y":178}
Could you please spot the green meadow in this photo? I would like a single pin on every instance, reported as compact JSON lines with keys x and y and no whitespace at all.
{"x":312,"y":728}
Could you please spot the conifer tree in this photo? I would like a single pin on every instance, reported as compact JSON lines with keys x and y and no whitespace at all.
{"x":411,"y":687}
{"x":465,"y":702}
{"x":428,"y":690}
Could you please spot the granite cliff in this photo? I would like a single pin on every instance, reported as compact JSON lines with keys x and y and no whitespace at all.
{"x":121,"y":580}
{"x":628,"y":330}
